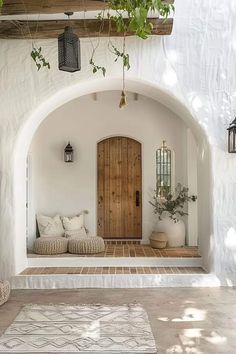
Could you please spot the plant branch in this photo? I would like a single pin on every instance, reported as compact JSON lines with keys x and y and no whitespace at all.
{"x":171,"y":204}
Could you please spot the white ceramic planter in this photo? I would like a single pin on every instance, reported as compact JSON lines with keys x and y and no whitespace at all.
{"x":175,"y":231}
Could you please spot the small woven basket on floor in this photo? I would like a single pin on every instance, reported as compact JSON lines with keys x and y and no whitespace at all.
{"x":158,"y":240}
{"x":5,"y":290}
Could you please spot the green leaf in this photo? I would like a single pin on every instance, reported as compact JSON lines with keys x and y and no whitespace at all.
{"x":38,"y":58}
{"x":96,"y":68}
{"x":132,"y":16}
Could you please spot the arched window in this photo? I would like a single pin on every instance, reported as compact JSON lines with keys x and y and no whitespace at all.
{"x":163,"y":170}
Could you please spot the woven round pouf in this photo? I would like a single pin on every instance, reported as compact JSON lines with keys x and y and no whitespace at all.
{"x":86,"y":245}
{"x":5,"y":290}
{"x":50,"y":245}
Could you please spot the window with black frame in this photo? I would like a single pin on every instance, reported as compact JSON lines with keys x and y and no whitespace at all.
{"x":163,"y":170}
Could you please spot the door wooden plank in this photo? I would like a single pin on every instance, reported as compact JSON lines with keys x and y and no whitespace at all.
{"x":100,"y":187}
{"x":124,"y":181}
{"x":137,"y":188}
{"x":115,"y":191}
{"x":106,"y":176}
{"x":113,"y":162}
{"x":131,"y":200}
{"x":134,"y":185}
{"x":111,"y":188}
{"x":118,"y":189}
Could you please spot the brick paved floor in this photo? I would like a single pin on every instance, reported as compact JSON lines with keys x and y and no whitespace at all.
{"x":113,"y":270}
{"x":134,"y":250}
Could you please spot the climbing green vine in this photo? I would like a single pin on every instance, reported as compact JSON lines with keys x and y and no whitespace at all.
{"x":38,"y":58}
{"x":125,"y":16}
{"x":137,"y":12}
{"x":97,"y":67}
{"x":122,"y":55}
{"x":130,"y":16}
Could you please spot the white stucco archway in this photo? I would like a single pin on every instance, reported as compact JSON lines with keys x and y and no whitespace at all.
{"x":63,"y":96}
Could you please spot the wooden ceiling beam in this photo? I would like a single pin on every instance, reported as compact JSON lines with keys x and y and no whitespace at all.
{"x":19,"y":7}
{"x":24,"y":7}
{"x":83,"y":28}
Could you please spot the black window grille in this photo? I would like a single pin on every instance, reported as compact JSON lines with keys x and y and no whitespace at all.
{"x":163,"y":171}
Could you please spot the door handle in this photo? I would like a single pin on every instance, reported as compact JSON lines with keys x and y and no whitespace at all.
{"x":137,"y":201}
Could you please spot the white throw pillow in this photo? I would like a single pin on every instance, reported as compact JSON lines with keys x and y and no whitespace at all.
{"x":80,"y":233}
{"x":50,"y":226}
{"x":74,"y":223}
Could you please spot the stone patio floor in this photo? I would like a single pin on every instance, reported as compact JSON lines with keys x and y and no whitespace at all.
{"x":183,"y":320}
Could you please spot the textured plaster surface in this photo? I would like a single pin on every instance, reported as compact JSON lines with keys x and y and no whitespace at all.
{"x":196,"y":65}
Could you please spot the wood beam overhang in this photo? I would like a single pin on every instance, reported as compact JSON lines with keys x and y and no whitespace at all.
{"x":83,"y":28}
{"x":24,"y":7}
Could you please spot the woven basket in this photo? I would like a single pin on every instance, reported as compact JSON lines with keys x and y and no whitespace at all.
{"x":158,"y":240}
{"x":5,"y":290}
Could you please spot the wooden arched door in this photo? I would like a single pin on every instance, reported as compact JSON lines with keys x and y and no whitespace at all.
{"x":119,"y":188}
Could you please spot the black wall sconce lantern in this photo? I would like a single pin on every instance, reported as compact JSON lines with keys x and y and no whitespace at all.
{"x":68,"y":153}
{"x":69,"y":50}
{"x":232,"y":137}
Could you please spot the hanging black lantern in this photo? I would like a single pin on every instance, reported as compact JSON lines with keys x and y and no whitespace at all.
{"x":69,"y":50}
{"x":68,"y":153}
{"x":232,"y":137}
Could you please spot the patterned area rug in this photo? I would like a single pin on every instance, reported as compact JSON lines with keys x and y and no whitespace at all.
{"x":97,"y":329}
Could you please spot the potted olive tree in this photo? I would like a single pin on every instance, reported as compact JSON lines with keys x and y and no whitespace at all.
{"x":169,"y":210}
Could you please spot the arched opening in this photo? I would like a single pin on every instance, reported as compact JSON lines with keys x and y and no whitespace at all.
{"x":145,"y":89}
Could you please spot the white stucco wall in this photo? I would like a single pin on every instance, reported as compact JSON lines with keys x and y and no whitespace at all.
{"x":57,"y":187}
{"x":195,"y":65}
